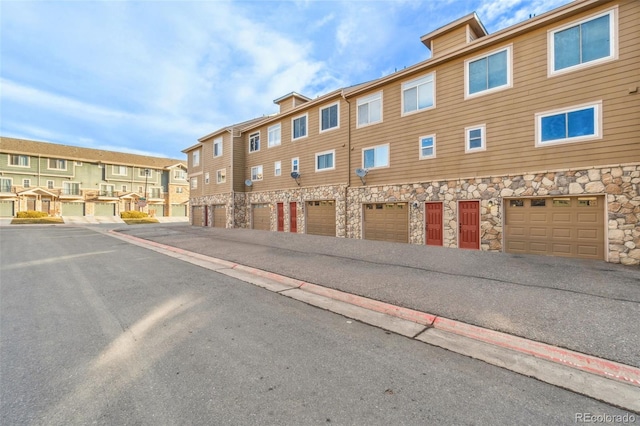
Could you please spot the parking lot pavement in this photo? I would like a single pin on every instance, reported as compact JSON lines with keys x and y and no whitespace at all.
{"x":587,"y":306}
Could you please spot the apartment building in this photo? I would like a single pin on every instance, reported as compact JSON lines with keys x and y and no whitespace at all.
{"x":523,"y":141}
{"x":71,"y":181}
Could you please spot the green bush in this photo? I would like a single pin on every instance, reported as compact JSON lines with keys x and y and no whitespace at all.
{"x":132,"y":214}
{"x":32,"y":214}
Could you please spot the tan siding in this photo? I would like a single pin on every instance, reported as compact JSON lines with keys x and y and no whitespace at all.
{"x":450,"y":40}
{"x":240,"y":148}
{"x":211,"y":164}
{"x":509,"y":116}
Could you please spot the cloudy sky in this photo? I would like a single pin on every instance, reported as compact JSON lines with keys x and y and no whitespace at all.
{"x":151,"y":77}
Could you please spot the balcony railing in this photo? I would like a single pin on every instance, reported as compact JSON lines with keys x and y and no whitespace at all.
{"x":5,"y":188}
{"x":70,"y":191}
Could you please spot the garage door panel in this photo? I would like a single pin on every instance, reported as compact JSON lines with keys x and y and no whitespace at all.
{"x":561,"y":226}
{"x":219,"y":216}
{"x":197,"y":215}
{"x":261,"y":217}
{"x":321,"y":218}
{"x":386,"y":222}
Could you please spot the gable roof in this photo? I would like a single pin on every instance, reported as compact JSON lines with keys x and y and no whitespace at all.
{"x":89,"y":155}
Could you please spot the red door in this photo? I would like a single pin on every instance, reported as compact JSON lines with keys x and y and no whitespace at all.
{"x":469,"y":226}
{"x":293,"y":218}
{"x":280,"y":217}
{"x":206,"y":215}
{"x":434,"y":224}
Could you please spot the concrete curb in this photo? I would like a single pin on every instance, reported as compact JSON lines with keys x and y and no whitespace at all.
{"x":608,"y":381}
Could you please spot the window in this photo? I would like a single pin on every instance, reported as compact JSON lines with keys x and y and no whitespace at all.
{"x":124,"y":188}
{"x":254,"y":142}
{"x":274,"y":135}
{"x":329,"y":117}
{"x":70,"y":188}
{"x":179,"y":174}
{"x":196,"y":157}
{"x":417,"y":94}
{"x":217,"y":147}
{"x":156,"y":193}
{"x":78,"y":163}
{"x":179,"y":190}
{"x":369,"y":109}
{"x":119,"y":170}
{"x":256,"y":173}
{"x":325,"y":160}
{"x":206,"y":178}
{"x":107,"y":190}
{"x":49,"y":184}
{"x":295,"y":165}
{"x":299,"y":127}
{"x":569,"y":125}
{"x":19,"y":160}
{"x":277,"y":168}
{"x":194,"y":183}
{"x":26,"y":183}
{"x":145,"y":173}
{"x":488,"y":73}
{"x":377,"y":156}
{"x":57,"y":164}
{"x":221,"y":176}
{"x":584,"y":43}
{"x":140,"y":189}
{"x":475,"y":138}
{"x":427,"y":146}
{"x":5,"y":185}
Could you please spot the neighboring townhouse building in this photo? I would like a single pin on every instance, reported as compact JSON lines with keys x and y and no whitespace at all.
{"x":72,"y":181}
{"x":523,"y":141}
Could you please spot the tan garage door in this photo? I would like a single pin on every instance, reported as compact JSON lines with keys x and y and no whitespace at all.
{"x":261,"y":217}
{"x":197,"y":215}
{"x":219,"y":216}
{"x":321,"y":218}
{"x":557,"y":226}
{"x":386,"y":222}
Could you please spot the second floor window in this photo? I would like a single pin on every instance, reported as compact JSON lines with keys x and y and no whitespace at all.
{"x":369,"y":109}
{"x":329,"y":118}
{"x":254,"y":142}
{"x":277,"y":168}
{"x":194,"y":183}
{"x":256,"y":173}
{"x":57,"y":164}
{"x":568,"y":125}
{"x":221,"y":176}
{"x":5,"y":185}
{"x":19,"y":160}
{"x":489,"y":72}
{"x":179,"y":174}
{"x":274,"y":135}
{"x":427,"y":146}
{"x":325,"y":161}
{"x":119,"y":170}
{"x":377,"y":156}
{"x":295,"y":165}
{"x":475,"y":139}
{"x":196,"y":157}
{"x":217,"y":147}
{"x":70,"y":188}
{"x":417,"y":94}
{"x":299,"y":127}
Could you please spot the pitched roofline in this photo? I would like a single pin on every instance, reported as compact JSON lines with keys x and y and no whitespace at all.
{"x":470,"y":19}
{"x":290,"y":95}
{"x":551,"y":16}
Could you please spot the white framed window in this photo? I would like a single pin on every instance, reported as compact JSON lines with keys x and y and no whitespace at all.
{"x":5,"y":184}
{"x":330,"y":117}
{"x":295,"y":165}
{"x":256,"y":173}
{"x":70,"y":188}
{"x":155,"y":192}
{"x":194,"y":183}
{"x":299,"y":127}
{"x":57,"y":164}
{"x":574,"y":124}
{"x":26,"y":183}
{"x":369,"y":109}
{"x":274,"y":135}
{"x":325,"y":160}
{"x":376,"y":156}
{"x":143,"y":173}
{"x":78,"y":163}
{"x":178,"y":190}
{"x":19,"y":160}
{"x":254,"y":142}
{"x":206,"y":178}
{"x":195,"y":157}
{"x":49,"y":184}
{"x":124,"y":188}
{"x":418,"y":94}
{"x":140,"y":188}
{"x":475,"y":138}
{"x":488,"y":73}
{"x":179,"y":174}
{"x":584,"y":43}
{"x":277,"y":168}
{"x":119,"y":170}
{"x":427,"y":147}
{"x":107,"y":190}
{"x":221,"y":176}
{"x":217,"y":147}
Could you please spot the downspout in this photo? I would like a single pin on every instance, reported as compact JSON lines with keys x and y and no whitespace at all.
{"x":232,"y":207}
{"x":346,"y":189}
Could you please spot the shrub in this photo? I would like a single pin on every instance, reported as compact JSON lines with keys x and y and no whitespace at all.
{"x":132,"y":214}
{"x":32,"y":214}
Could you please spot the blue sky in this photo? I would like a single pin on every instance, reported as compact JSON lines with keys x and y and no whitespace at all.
{"x":151,"y":77}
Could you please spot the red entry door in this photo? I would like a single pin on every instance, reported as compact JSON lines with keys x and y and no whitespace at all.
{"x":293,"y":218}
{"x":280,"y":217}
{"x":469,"y":226}
{"x":206,"y":215}
{"x":434,"y":224}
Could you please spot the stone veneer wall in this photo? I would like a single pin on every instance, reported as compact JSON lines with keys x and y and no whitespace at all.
{"x":620,"y":184}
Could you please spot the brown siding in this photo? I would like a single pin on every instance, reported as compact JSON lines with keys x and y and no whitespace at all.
{"x":509,"y":114}
{"x":211,"y":164}
{"x":303,"y":148}
{"x":450,"y":40}
{"x":240,"y":149}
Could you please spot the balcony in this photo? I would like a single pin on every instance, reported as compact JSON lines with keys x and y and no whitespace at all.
{"x":109,"y":195}
{"x":70,"y":194}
